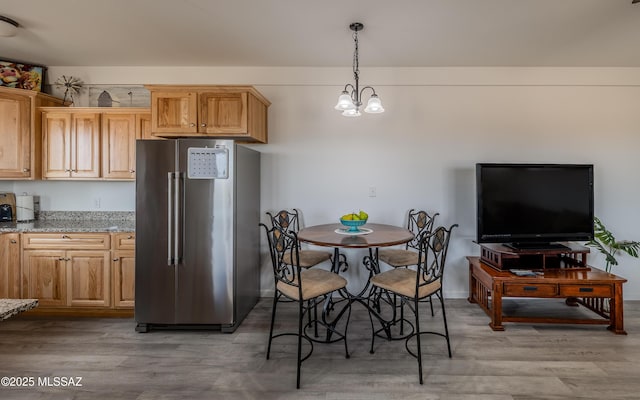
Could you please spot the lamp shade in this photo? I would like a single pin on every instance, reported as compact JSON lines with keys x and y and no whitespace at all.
{"x":374,"y":105}
{"x":354,"y":112}
{"x":345,"y":102}
{"x":8,"y":27}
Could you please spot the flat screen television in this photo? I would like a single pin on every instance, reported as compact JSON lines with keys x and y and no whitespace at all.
{"x":534,"y":205}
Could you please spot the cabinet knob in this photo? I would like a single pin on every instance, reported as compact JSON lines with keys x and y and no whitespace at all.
{"x":61,"y":259}
{"x":13,"y":241}
{"x":67,"y":170}
{"x":192,"y":124}
{"x":130,"y":237}
{"x":66,"y":237}
{"x":203,"y":125}
{"x":25,"y":170}
{"x":115,"y":259}
{"x":132,"y":170}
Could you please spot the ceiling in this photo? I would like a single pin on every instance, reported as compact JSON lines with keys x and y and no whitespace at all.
{"x":300,"y":33}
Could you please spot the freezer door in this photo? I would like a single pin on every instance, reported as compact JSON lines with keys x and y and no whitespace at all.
{"x":205,"y":273}
{"x":155,"y":272}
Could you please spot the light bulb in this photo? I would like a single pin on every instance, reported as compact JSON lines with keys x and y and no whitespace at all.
{"x":354,"y":112}
{"x":345,"y":102}
{"x":374,"y":105}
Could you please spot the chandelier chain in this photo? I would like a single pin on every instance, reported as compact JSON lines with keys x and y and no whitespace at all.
{"x":356,"y":61}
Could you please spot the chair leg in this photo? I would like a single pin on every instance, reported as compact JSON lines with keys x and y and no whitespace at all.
{"x":370,"y":303}
{"x":417,"y":333}
{"x":273,"y":318}
{"x":401,"y":314}
{"x":300,"y":317}
{"x":431,"y":304}
{"x":444,"y":317}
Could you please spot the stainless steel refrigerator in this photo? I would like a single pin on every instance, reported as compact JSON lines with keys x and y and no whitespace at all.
{"x":197,"y":236}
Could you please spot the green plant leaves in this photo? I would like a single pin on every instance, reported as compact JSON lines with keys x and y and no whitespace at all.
{"x":606,"y":243}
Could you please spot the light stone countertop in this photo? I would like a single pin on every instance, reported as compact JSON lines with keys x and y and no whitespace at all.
{"x":9,"y":307}
{"x":72,"y":221}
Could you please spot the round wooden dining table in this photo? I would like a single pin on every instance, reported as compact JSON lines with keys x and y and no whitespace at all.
{"x":371,"y":236}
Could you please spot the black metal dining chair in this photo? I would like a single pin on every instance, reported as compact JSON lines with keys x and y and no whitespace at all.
{"x":289,"y":221}
{"x":412,"y":285}
{"x":420,"y":223}
{"x":308,"y":288}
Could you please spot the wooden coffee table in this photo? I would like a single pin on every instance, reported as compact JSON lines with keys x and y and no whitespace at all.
{"x":599,"y":291}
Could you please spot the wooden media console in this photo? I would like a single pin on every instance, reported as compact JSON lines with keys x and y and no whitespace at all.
{"x":596,"y":290}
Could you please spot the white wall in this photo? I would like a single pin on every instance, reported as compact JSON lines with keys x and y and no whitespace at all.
{"x":421,"y":152}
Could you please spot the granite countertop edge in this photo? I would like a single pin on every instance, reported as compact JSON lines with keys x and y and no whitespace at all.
{"x":70,"y":221}
{"x":68,"y":226}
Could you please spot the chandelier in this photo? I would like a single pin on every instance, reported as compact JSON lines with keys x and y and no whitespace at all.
{"x":350,"y":100}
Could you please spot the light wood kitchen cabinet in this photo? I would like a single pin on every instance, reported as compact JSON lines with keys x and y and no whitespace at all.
{"x":225,"y":112}
{"x":143,"y":126}
{"x":71,"y":145}
{"x":67,"y":269}
{"x":10,"y":265}
{"x":123,"y":269}
{"x":20,"y":132}
{"x":111,"y":154}
{"x":45,"y":276}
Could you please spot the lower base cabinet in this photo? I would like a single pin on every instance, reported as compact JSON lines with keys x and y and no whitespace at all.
{"x":77,"y":271}
{"x":123,"y":267}
{"x":75,"y":278}
{"x":10,"y":266}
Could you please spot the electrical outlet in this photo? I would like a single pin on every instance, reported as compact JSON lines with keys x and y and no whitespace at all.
{"x":372,"y":191}
{"x":96,"y":203}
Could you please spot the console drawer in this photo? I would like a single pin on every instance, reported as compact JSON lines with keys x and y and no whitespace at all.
{"x":530,"y":290}
{"x":586,"y":290}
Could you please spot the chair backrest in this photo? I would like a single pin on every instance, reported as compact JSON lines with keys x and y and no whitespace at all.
{"x":420,"y":223}
{"x":284,"y":243}
{"x":433,"y":255}
{"x":289,"y":220}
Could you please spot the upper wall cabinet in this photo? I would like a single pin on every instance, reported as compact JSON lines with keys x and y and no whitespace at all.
{"x":20,"y":132}
{"x":92,"y":143}
{"x":225,"y":112}
{"x":71,"y":143}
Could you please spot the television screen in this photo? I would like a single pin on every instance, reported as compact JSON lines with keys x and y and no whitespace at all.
{"x":532,"y":205}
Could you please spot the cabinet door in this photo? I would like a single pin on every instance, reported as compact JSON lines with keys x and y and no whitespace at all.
{"x":123,"y":279}
{"x":118,"y":146}
{"x":85,"y":145}
{"x":46,"y":277}
{"x":223,"y":113}
{"x":88,"y":278}
{"x":174,"y":113}
{"x":15,"y":135}
{"x":10,"y":265}
{"x":56,"y":136}
{"x":143,"y":126}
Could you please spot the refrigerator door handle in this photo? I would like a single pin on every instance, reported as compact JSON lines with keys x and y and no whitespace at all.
{"x":179,"y":216}
{"x":170,"y":217}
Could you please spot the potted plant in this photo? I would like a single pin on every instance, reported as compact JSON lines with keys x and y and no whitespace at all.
{"x":607,"y":244}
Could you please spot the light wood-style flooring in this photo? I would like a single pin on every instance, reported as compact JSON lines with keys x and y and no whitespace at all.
{"x":524,"y":362}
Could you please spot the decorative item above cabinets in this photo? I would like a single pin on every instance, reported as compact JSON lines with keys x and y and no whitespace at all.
{"x":217,"y":111}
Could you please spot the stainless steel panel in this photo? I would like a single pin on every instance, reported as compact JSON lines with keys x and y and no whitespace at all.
{"x":155,"y":280}
{"x":247,"y":233}
{"x":205,"y":285}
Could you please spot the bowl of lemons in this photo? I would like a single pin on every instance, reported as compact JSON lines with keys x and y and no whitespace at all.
{"x":354,"y":220}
